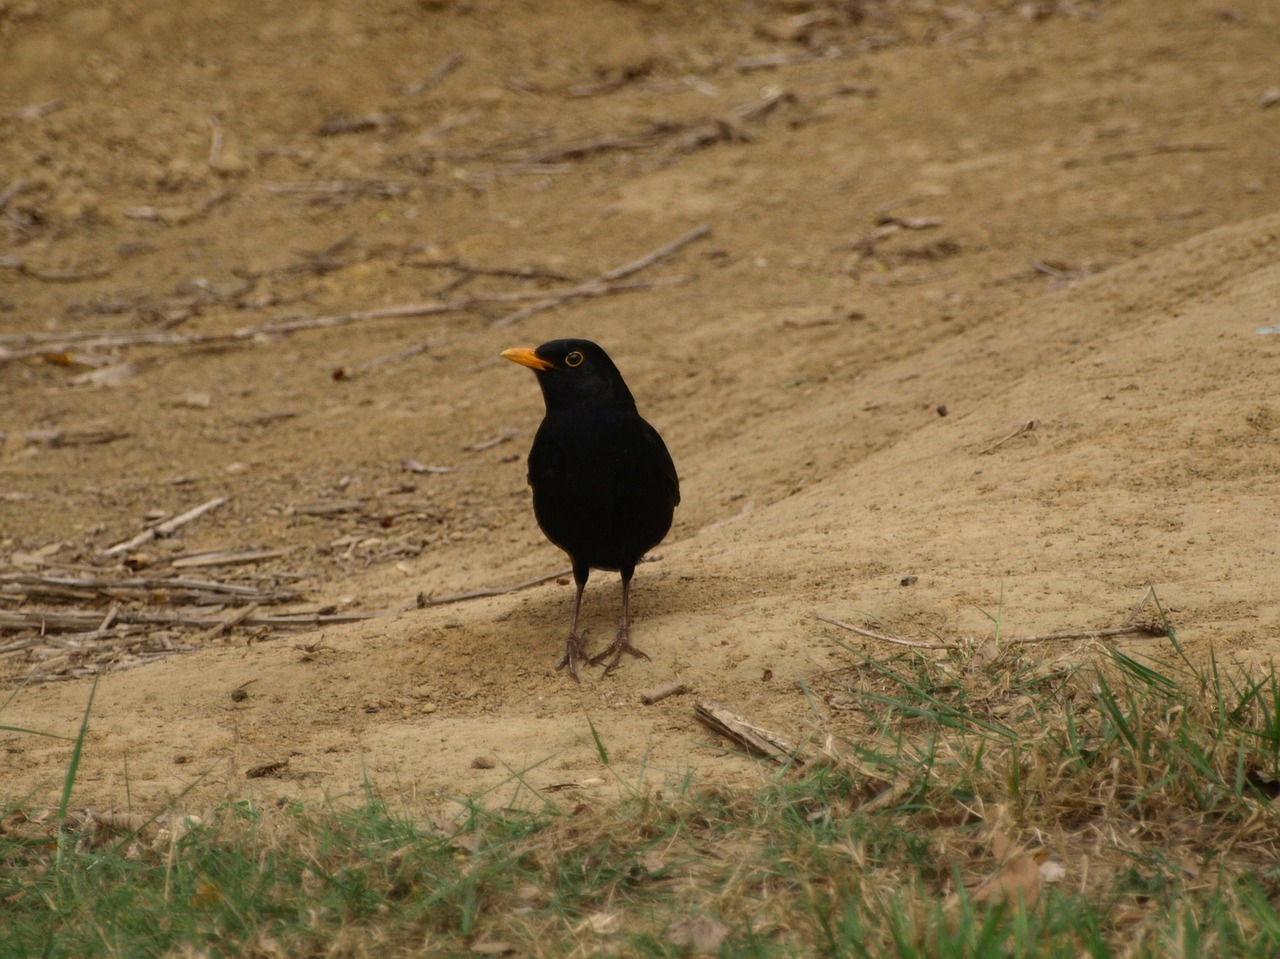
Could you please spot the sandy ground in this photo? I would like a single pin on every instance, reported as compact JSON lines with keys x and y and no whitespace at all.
{"x":1062,"y":213}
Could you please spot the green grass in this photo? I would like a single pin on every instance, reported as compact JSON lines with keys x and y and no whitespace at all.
{"x":1151,"y":784}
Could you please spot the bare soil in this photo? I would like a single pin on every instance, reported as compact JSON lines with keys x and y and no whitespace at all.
{"x":930,"y":225}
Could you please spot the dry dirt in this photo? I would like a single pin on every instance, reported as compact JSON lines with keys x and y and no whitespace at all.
{"x":1061,"y":212}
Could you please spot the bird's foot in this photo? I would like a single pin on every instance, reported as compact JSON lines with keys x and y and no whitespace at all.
{"x":575,"y":651}
{"x":613,"y":652}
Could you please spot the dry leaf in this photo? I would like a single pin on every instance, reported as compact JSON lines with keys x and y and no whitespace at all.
{"x":206,"y":895}
{"x":1051,"y":870}
{"x":702,"y":934}
{"x":1017,"y":881}
{"x":467,"y":842}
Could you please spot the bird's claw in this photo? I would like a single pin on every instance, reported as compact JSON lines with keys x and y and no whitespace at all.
{"x":575,"y":651}
{"x":613,"y":652}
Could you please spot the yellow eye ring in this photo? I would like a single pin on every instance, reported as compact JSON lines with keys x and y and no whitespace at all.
{"x":573,"y":359}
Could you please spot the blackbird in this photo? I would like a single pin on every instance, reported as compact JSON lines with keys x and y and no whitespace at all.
{"x":604,"y":486}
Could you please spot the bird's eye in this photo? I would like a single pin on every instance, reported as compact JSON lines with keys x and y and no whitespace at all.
{"x":573,"y":359}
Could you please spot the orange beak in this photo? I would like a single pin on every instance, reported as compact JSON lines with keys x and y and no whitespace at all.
{"x":527,"y":357}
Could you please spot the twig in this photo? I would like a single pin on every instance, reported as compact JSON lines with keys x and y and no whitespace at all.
{"x":215,"y":143}
{"x":228,"y":624}
{"x":768,"y":61}
{"x":56,"y":438}
{"x":338,"y":125}
{"x":518,"y":272}
{"x":61,"y":276}
{"x":754,"y":739}
{"x":590,"y":289}
{"x":379,"y":188}
{"x":607,"y":282}
{"x":41,"y":344}
{"x":446,"y":67}
{"x":741,"y":514}
{"x":225,"y":557}
{"x":1146,"y":629}
{"x":62,"y":621}
{"x":166,"y":528}
{"x":326,"y":509}
{"x":1026,"y":427}
{"x":425,"y":601}
{"x":675,"y":687}
{"x":12,"y":190}
{"x":1138,"y":153}
{"x":175,"y":589}
{"x":661,"y":253}
{"x":914,"y":644}
{"x":506,"y":436}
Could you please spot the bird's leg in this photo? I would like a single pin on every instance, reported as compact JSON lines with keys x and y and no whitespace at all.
{"x":575,"y":648}
{"x":622,"y":640}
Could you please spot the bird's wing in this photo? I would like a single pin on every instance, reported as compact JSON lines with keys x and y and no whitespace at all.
{"x":662,"y":460}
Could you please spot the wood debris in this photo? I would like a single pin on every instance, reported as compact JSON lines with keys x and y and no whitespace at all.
{"x":755,"y":739}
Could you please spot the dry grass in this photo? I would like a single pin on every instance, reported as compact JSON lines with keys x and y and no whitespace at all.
{"x":979,"y":804}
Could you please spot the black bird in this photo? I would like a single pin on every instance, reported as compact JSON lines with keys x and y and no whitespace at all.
{"x":604,"y":486}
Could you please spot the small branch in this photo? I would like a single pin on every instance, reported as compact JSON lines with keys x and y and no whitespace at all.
{"x":12,"y":190}
{"x":754,"y":739}
{"x":425,"y":601}
{"x":914,"y":644}
{"x":608,"y":282}
{"x":176,"y":590}
{"x":57,"y":438}
{"x":215,"y":143}
{"x":62,"y":621}
{"x":225,"y":557}
{"x":1026,"y":427}
{"x":379,"y":188}
{"x":446,"y":67}
{"x":36,"y":344}
{"x":1134,"y":629}
{"x":166,"y":528}
{"x":661,"y":253}
{"x":232,"y":621}
{"x":590,"y":289}
{"x":676,"y":687}
{"x":506,"y":436}
{"x":519,"y":272}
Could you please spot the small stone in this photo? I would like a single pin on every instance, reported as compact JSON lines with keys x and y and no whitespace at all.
{"x":484,"y":762}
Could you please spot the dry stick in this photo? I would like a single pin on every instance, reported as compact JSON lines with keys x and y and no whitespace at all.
{"x":675,"y":687}
{"x":92,"y":341}
{"x":754,"y":739}
{"x":603,"y":285}
{"x":1133,"y":629}
{"x":1026,"y":427}
{"x":915,"y":644}
{"x":446,"y":67}
{"x":68,"y":620}
{"x":70,"y":585}
{"x":225,"y":557}
{"x":425,"y":601}
{"x":605,"y":282}
{"x":12,"y":190}
{"x":215,"y":143}
{"x":166,"y":528}
{"x":228,"y":624}
{"x":1146,"y":629}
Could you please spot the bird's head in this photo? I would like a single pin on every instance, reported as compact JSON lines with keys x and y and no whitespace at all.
{"x":574,"y":373}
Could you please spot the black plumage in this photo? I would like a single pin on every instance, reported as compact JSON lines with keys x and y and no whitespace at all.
{"x":604,"y":486}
